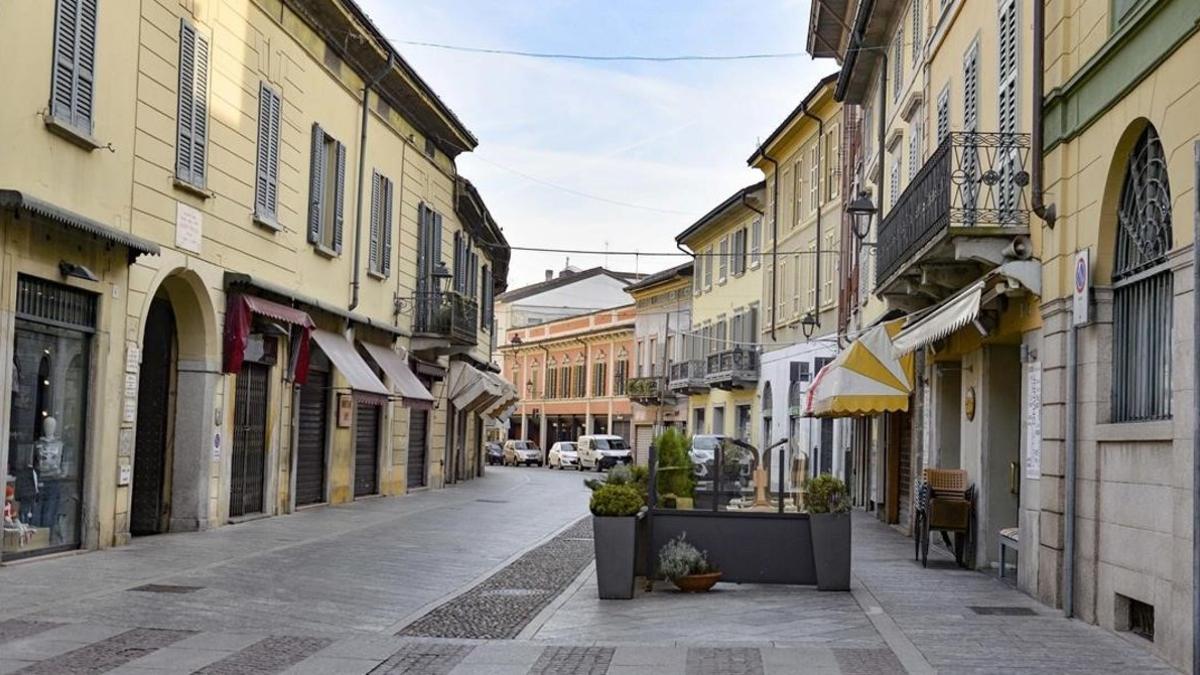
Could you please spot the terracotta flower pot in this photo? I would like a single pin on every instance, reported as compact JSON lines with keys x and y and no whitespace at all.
{"x":697,"y":583}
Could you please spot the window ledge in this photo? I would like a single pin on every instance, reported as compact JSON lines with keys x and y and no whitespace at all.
{"x":194,"y":190}
{"x":377,"y":275}
{"x":322,"y":250}
{"x":64,"y":130}
{"x":1132,"y":432}
{"x":266,"y":222}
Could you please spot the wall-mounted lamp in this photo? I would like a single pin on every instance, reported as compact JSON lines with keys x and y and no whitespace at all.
{"x":70,"y":269}
{"x":402,"y":304}
{"x":861,"y":210}
{"x":809,"y":324}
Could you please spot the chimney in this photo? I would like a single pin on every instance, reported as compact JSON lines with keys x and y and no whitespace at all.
{"x":549,"y":275}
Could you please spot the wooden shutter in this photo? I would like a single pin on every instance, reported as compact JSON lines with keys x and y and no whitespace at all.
{"x":971,"y":89}
{"x":266,"y":183}
{"x":192,"y":136}
{"x":316,"y":185}
{"x":73,"y":78}
{"x":943,"y":115}
{"x":373,"y":263}
{"x":339,"y":198}
{"x":423,"y":261}
{"x":387,"y":226}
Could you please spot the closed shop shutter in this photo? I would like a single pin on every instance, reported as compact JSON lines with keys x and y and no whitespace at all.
{"x":366,"y":450}
{"x":310,"y":447}
{"x":418,"y":426}
{"x":643,"y":437}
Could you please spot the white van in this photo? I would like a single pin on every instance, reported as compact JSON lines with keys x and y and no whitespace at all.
{"x":603,"y":451}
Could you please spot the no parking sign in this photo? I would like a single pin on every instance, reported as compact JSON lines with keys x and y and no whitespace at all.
{"x":1082,"y":283}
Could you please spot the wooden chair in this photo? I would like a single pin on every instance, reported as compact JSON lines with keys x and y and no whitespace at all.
{"x":945,"y":503}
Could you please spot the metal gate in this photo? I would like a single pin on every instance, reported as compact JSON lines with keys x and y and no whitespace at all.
{"x":147,"y":513}
{"x":366,"y":450}
{"x":311,"y":435}
{"x":418,"y":436}
{"x":643,"y":436}
{"x":249,"y":441}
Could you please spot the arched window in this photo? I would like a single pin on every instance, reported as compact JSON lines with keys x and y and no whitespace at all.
{"x":1143,"y":288}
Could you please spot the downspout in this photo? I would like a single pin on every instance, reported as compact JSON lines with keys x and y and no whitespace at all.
{"x":820,"y":172}
{"x":774,"y":237}
{"x":1047,"y":212}
{"x":362,"y":168}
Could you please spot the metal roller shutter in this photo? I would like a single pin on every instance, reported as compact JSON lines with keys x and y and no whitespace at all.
{"x":366,"y":450}
{"x":310,"y":448}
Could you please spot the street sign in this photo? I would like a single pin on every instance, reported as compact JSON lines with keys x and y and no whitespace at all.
{"x":1082,"y":283}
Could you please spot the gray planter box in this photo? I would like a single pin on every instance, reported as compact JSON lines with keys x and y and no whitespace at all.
{"x":831,"y":550}
{"x":616,"y":544}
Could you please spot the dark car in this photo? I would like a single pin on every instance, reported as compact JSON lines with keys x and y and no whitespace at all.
{"x":493,"y":453}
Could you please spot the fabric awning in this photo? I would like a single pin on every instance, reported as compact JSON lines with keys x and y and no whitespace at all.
{"x":865,"y":379}
{"x":954,"y":313}
{"x":470,"y":388}
{"x":239,"y":314}
{"x":404,"y":381}
{"x":358,"y":374}
{"x":507,"y":399}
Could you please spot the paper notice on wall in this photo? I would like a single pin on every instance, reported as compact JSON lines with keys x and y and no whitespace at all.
{"x":1033,"y":421}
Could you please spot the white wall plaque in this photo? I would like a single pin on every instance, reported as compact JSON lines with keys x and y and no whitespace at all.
{"x":189,"y":227}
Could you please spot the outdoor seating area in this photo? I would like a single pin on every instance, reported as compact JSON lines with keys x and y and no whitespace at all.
{"x":945,"y":503}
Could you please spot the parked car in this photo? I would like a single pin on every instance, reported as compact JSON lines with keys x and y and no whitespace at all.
{"x":603,"y":451}
{"x":493,"y":454}
{"x":563,"y":454}
{"x":704,"y":453}
{"x":522,"y":452}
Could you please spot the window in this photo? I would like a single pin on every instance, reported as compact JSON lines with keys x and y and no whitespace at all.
{"x":970,"y":160}
{"x":723,"y":261}
{"x":833,"y":162}
{"x":73,"y":69}
{"x":429,"y":253}
{"x":829,"y":268}
{"x":895,"y":183}
{"x":916,"y":30}
{"x":1143,"y":290}
{"x":599,"y":379}
{"x":191,"y":138}
{"x":914,"y":144}
{"x":718,"y":422}
{"x":379,"y":255}
{"x":640,"y":356}
{"x":487,"y":305}
{"x":564,"y":381}
{"x":551,"y":380}
{"x":534,"y":385}
{"x":797,"y":284}
{"x":466,"y":266}
{"x":1007,"y":99}
{"x":784,"y":291}
{"x":898,"y":65}
{"x":811,"y":278}
{"x":739,"y":252}
{"x":801,"y":371}
{"x":743,"y":423}
{"x":814,"y":176}
{"x":266,"y":179}
{"x":580,"y":379}
{"x":756,"y":230}
{"x":620,"y":375}
{"x":653,"y":354}
{"x":943,"y":115}
{"x":798,"y":190}
{"x":708,"y":267}
{"x":327,"y":182}
{"x":721,"y":336}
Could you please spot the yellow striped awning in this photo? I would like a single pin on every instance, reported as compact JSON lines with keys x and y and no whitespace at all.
{"x":865,"y":379}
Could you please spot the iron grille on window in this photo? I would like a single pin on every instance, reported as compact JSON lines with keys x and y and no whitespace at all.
{"x":50,"y":302}
{"x":1143,"y":288}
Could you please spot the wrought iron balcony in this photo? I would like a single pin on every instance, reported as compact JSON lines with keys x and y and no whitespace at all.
{"x":449,"y":315}
{"x":687,"y":377}
{"x":735,"y":368}
{"x":651,"y":390}
{"x":975,"y":185}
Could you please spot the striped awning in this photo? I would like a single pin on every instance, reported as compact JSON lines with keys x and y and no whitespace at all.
{"x":865,"y":379}
{"x":954,"y":313}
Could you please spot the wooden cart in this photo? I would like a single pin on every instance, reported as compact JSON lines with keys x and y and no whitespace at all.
{"x":945,"y":502}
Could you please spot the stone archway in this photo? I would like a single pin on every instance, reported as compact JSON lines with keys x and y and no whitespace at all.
{"x":173,"y":434}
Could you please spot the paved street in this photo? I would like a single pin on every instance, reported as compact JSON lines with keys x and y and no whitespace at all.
{"x":369,"y":587}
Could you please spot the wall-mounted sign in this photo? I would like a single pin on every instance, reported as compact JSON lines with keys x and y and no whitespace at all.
{"x":345,"y":410}
{"x":124,"y":474}
{"x":1082,"y":283}
{"x":189,"y":227}
{"x":1033,"y":422}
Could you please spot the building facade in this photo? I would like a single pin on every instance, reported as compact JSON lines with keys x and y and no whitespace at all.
{"x":237,"y":285}
{"x":721,"y":371}
{"x":574,"y":374}
{"x":664,"y":319}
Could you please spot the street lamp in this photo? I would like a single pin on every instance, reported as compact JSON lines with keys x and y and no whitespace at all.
{"x":809,"y":324}
{"x":861,"y":211}
{"x":402,"y":304}
{"x":441,"y":276}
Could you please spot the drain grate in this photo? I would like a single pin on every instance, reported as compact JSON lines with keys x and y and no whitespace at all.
{"x":1002,"y":610}
{"x":166,"y":588}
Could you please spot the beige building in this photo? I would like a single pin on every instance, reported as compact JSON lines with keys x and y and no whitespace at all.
{"x":235,"y":284}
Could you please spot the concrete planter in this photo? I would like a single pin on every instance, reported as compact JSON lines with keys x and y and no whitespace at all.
{"x":615,"y":540}
{"x":831,"y":550}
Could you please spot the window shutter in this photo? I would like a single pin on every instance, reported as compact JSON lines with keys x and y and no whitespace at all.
{"x":266,"y":185}
{"x":376,"y":228}
{"x":971,"y":89}
{"x":316,"y":185}
{"x":943,"y":115}
{"x":73,"y":78}
{"x":916,"y":29}
{"x":435,"y":240}
{"x":187,"y":104}
{"x":200,"y":113}
{"x":339,"y":198}
{"x":423,"y":264}
{"x":752,"y":325}
{"x":387,"y":226}
{"x":85,"y":65}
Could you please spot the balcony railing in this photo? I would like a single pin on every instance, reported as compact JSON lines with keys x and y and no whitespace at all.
{"x":652,"y":389}
{"x":732,"y":368}
{"x":972,"y":180}
{"x":448,"y":314}
{"x":687,"y":377}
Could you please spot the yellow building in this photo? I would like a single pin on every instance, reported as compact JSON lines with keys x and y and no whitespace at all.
{"x":1121,"y":165}
{"x":237,"y":285}
{"x":720,"y":373}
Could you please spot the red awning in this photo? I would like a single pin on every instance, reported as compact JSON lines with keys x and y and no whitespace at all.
{"x":238,"y":316}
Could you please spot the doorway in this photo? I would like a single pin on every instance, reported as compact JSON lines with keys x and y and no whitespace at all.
{"x":312,"y":431}
{"x":149,"y":511}
{"x":366,"y":449}
{"x":247,"y":476}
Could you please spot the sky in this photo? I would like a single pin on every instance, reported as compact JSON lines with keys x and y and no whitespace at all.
{"x":670,"y":137}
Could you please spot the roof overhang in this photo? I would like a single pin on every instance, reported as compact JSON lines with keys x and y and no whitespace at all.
{"x":829,"y":28}
{"x":790,"y":121}
{"x":473,"y":212}
{"x":737,"y":200}
{"x":872,"y":23}
{"x":26,"y":203}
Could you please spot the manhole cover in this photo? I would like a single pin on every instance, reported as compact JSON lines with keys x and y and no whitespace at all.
{"x":493,"y":501}
{"x":1002,"y":611}
{"x":513,"y":592}
{"x":166,"y":588}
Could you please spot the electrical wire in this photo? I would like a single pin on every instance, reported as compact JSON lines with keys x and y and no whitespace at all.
{"x":564,"y":56}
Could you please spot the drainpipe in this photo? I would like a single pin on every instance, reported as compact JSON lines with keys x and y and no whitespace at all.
{"x":362,"y":168}
{"x":1196,"y":428}
{"x":774,"y":237}
{"x":820,"y":172}
{"x":1047,"y":212}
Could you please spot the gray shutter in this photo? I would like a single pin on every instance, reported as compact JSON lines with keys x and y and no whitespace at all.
{"x":85,"y":65}
{"x":943,"y":115}
{"x":316,"y":185}
{"x":435,"y":240}
{"x":200,"y":113}
{"x":266,"y":183}
{"x":752,"y":325}
{"x":387,"y":227}
{"x":376,"y":224}
{"x":423,"y":262}
{"x":339,"y":198}
{"x":971,"y":89}
{"x":187,"y":104}
{"x":73,"y":74}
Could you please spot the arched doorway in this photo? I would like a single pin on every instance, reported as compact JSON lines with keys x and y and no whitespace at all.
{"x":150,"y":508}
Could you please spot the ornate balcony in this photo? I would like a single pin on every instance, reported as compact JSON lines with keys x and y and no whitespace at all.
{"x":687,"y":377}
{"x":448,"y":315}
{"x":650,"y":390}
{"x":735,"y":368}
{"x":965,"y":212}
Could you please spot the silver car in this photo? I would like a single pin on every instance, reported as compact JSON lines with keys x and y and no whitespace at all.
{"x":522,"y":452}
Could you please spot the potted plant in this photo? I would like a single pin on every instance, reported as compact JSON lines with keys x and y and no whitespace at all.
{"x":686,"y":566}
{"x":675,"y":475}
{"x":829,"y":524}
{"x":615,"y":511}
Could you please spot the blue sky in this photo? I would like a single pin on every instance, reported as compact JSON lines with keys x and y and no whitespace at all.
{"x":672,"y":136}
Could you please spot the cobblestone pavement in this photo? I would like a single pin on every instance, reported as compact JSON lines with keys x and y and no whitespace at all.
{"x":326,"y":590}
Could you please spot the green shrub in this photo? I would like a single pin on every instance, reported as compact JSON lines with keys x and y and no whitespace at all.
{"x":617,"y":500}
{"x":678,"y":558}
{"x":676,"y":475}
{"x":826,"y":494}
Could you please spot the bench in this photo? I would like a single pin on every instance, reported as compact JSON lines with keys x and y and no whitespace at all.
{"x":1010,"y":538}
